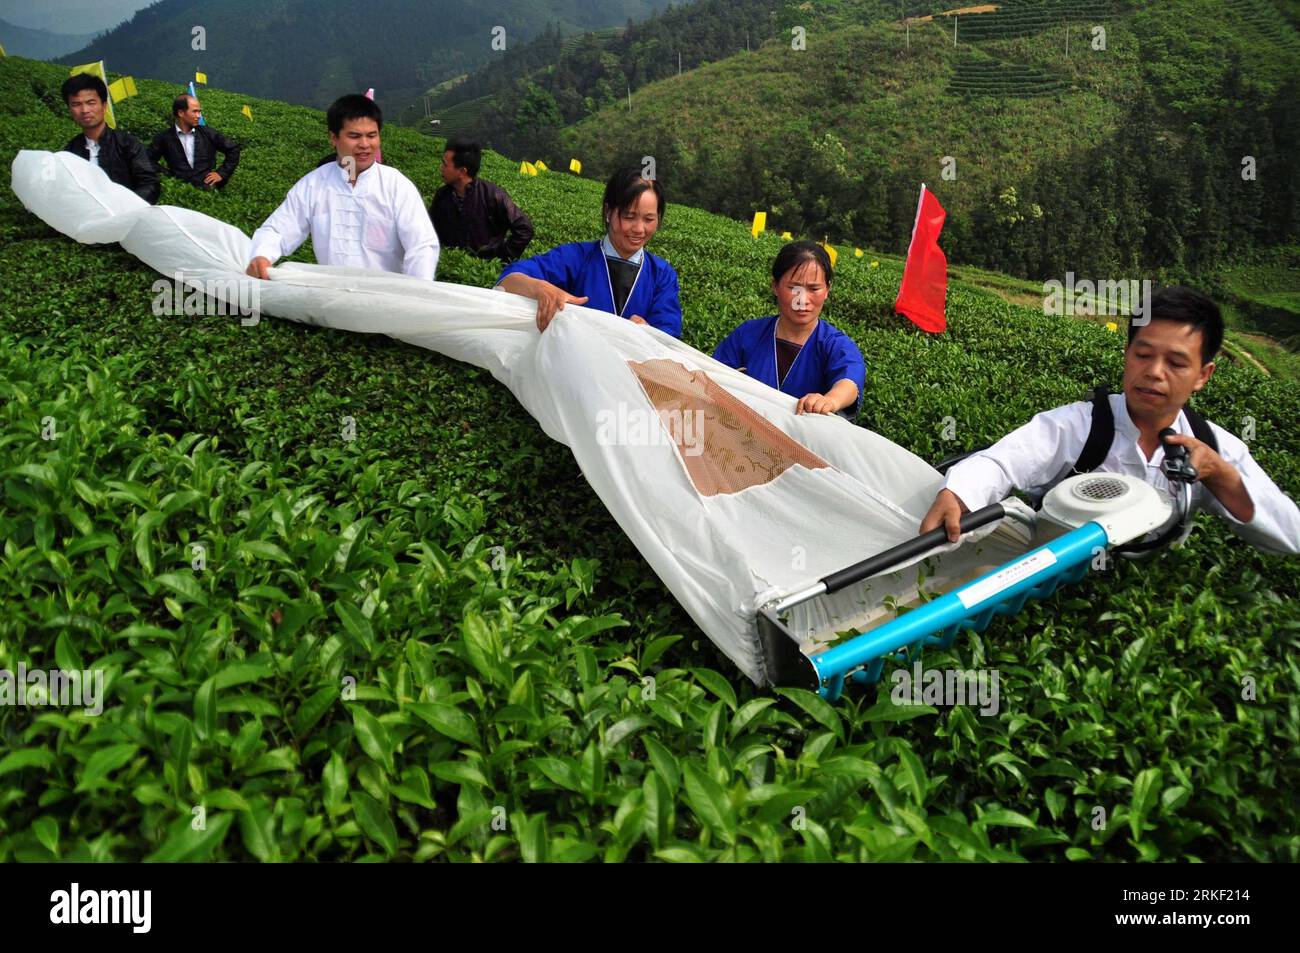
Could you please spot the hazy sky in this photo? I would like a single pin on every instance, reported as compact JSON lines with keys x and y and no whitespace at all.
{"x":69,"y":16}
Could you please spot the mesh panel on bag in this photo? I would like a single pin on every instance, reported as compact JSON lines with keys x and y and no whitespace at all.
{"x":726,"y":445}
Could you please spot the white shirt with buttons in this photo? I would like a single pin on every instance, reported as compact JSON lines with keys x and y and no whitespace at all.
{"x":380,"y":223}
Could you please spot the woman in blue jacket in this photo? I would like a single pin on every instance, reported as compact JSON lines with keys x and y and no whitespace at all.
{"x":615,"y":274}
{"x":796,"y":351}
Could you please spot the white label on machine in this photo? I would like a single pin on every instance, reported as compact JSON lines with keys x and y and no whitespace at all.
{"x":1005,"y":578}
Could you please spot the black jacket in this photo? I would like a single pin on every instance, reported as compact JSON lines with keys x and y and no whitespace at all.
{"x":124,"y":159}
{"x":486,"y":215}
{"x":207,"y":143}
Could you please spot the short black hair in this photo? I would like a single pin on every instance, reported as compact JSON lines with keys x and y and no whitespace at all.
{"x":82,"y":82}
{"x":182,"y":103}
{"x":1186,"y":306}
{"x":795,"y":254}
{"x":624,"y":188}
{"x":465,"y":154}
{"x":352,"y":106}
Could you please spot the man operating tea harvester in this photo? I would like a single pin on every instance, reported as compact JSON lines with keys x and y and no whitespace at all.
{"x":1168,"y":358}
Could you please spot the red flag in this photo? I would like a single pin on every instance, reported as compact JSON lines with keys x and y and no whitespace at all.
{"x":924,"y":290}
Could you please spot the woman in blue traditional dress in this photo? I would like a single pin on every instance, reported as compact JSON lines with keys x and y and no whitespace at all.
{"x":615,"y":274}
{"x":797,"y":351}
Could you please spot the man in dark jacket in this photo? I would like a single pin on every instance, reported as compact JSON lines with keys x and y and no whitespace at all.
{"x":469,"y":213}
{"x":191,"y":150}
{"x":120,"y":154}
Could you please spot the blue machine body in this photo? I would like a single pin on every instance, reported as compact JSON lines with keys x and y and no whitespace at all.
{"x":1003,"y":591}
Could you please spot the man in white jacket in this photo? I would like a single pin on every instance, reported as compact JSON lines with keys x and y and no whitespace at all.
{"x":358,"y":212}
{"x":1167,"y":359}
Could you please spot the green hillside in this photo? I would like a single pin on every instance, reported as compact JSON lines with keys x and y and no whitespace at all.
{"x":433,"y":643}
{"x":897,"y":107}
{"x":1052,"y":152}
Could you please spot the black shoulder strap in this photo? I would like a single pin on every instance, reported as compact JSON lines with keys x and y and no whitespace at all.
{"x":1100,"y":436}
{"x":1201,"y":428}
{"x":1102,"y":433}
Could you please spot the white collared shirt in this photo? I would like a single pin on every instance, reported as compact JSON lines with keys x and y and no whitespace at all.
{"x":1040,"y":454}
{"x":92,"y":146}
{"x":380,"y":223}
{"x":608,"y":247}
{"x":187,"y":143}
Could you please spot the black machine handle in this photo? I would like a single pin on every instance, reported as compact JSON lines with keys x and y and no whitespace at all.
{"x":909,"y":550}
{"x":1181,"y":474}
{"x":1176,"y":465}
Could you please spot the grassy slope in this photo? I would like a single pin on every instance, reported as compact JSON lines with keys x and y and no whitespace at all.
{"x":1132,"y":671}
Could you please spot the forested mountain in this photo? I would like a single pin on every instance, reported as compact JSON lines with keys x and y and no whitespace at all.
{"x":39,"y":44}
{"x":83,"y":17}
{"x":509,"y":99}
{"x":310,"y":51}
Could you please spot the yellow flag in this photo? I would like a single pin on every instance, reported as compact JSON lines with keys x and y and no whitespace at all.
{"x":200,"y":77}
{"x":541,"y":166}
{"x":760,"y":223}
{"x":786,"y":237}
{"x":575,"y":166}
{"x":831,"y":252}
{"x":857,"y":253}
{"x":523,"y":168}
{"x":1112,"y":326}
{"x":121,"y":89}
{"x":247,"y":112}
{"x":97,"y":69}
{"x":532,"y":169}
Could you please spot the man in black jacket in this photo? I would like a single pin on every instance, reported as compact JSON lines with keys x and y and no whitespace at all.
{"x":479,"y":216}
{"x":191,"y":150}
{"x":120,"y":154}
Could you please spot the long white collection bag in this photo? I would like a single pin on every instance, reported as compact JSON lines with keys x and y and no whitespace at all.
{"x":731,"y":498}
